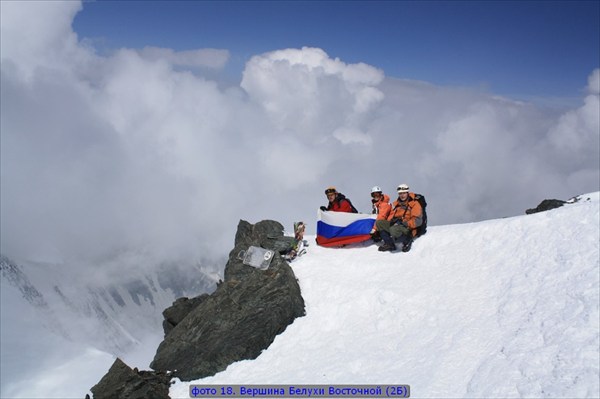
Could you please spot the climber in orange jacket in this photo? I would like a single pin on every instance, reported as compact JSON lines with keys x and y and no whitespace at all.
{"x":381,"y":208}
{"x":402,"y":222}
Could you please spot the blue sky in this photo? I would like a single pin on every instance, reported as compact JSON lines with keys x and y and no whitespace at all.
{"x":522,"y":49}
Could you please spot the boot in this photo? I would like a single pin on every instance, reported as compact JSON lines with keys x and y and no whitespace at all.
{"x":406,"y":243}
{"x":387,"y":247}
{"x":388,"y":242}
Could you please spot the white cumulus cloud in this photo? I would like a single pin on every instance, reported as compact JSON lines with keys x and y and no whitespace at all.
{"x":307,"y":93}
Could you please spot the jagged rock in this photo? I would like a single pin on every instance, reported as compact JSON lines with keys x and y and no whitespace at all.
{"x":177,"y":312}
{"x":123,"y":382}
{"x":262,"y":234}
{"x":546,"y":205}
{"x":241,"y":318}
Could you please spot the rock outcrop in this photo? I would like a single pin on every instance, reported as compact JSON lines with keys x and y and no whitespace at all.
{"x":546,"y":205}
{"x":205,"y":334}
{"x":122,"y":382}
{"x":240,"y":319}
{"x":174,"y":314}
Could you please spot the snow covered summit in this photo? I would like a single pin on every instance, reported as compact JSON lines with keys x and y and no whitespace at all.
{"x":500,"y":308}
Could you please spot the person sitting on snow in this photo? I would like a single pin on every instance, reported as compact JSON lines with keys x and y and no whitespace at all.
{"x":337,"y":202}
{"x":402,"y":222}
{"x":381,"y":208}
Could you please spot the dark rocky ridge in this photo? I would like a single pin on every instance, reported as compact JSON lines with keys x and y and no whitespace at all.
{"x":240,"y":319}
{"x":205,"y":334}
{"x":546,"y":205}
{"x":179,"y":310}
{"x":123,"y":382}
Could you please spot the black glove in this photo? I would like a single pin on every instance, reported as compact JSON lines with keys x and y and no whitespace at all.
{"x":323,"y":208}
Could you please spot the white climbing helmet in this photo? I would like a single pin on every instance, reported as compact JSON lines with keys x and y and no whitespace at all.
{"x":376,"y":189}
{"x":403,"y":188}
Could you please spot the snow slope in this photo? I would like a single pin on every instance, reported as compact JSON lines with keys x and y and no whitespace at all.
{"x":500,"y":308}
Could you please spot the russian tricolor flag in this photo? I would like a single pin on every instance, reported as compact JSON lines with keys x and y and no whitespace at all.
{"x":340,"y":228}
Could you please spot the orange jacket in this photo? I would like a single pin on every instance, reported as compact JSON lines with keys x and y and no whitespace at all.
{"x":382,"y":208}
{"x":408,"y":213}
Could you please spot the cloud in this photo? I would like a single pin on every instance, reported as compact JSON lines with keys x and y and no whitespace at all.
{"x":139,"y":150}
{"x":575,"y":137}
{"x":345,"y":136}
{"x":304,"y":92}
{"x":594,"y":82}
{"x":208,"y":58}
{"x":38,"y":34}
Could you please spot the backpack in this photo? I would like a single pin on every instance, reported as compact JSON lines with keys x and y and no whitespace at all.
{"x":422,"y":229}
{"x":354,"y":210}
{"x":342,"y":197}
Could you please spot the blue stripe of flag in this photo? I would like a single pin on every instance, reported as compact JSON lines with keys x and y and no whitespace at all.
{"x":359,"y":227}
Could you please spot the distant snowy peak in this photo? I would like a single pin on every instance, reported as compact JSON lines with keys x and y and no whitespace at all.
{"x":12,"y":273}
{"x":112,"y":314}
